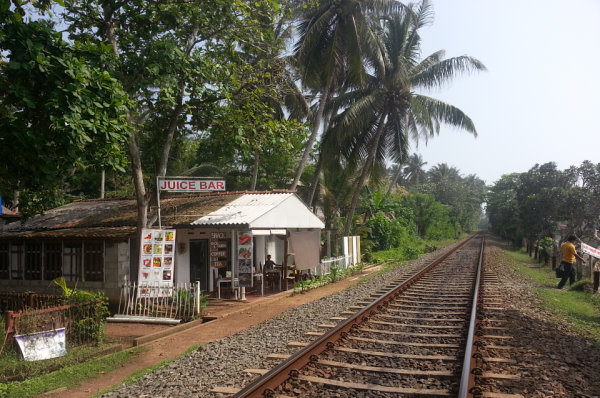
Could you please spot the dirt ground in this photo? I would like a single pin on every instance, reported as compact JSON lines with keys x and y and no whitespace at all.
{"x":231,"y":317}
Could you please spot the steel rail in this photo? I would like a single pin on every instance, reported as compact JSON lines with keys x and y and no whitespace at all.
{"x":265,"y":385}
{"x":467,"y":379}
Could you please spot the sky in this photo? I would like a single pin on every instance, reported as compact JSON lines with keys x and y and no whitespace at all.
{"x":539,"y":99}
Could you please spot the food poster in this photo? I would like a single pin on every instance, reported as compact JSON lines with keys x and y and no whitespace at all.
{"x":157,"y":262}
{"x":245,"y":258}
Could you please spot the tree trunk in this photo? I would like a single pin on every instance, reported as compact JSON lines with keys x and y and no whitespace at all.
{"x":313,"y":135}
{"x":363,"y":175}
{"x":395,"y":179}
{"x":15,"y":202}
{"x":142,"y":198}
{"x":255,"y":171}
{"x":315,"y":181}
{"x":102,"y":183}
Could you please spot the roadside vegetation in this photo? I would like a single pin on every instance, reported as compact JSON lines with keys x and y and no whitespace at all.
{"x":69,"y":375}
{"x":578,"y":305}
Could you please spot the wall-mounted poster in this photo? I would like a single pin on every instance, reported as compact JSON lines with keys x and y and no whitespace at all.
{"x":245,"y":258}
{"x":157,"y":262}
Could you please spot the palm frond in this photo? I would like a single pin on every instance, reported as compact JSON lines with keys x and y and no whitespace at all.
{"x":446,"y":113}
{"x":440,"y":73}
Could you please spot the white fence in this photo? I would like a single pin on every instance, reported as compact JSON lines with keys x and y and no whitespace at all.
{"x":177,"y":303}
{"x":324,"y":268}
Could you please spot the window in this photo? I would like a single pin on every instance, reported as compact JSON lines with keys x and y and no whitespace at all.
{"x":72,"y":261}
{"x":33,"y":261}
{"x":16,"y":260}
{"x":93,"y":261}
{"x":52,"y":260}
{"x":4,"y":260}
{"x":48,"y":260}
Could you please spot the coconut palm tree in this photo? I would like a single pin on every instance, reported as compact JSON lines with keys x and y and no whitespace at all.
{"x":380,"y":118}
{"x":413,"y":171}
{"x":442,"y":172}
{"x":334,"y":37}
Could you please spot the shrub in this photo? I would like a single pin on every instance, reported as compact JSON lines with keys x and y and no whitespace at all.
{"x":410,"y":253}
{"x":88,"y":313}
{"x":430,"y":248}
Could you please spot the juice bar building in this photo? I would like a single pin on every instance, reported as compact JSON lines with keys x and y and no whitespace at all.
{"x":219,"y":239}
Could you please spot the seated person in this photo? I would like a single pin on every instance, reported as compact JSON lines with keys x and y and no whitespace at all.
{"x":269,"y":264}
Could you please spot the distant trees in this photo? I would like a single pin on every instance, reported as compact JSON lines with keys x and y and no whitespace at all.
{"x":444,"y":205}
{"x":531,"y":205}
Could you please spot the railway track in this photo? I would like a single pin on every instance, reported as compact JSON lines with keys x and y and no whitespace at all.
{"x":425,"y":335}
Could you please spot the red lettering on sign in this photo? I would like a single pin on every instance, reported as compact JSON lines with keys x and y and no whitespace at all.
{"x":191,"y":185}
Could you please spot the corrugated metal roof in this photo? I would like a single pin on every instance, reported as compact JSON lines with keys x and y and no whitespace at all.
{"x":116,"y":218}
{"x":243,"y":210}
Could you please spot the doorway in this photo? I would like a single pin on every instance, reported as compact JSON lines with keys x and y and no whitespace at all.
{"x":199,"y":262}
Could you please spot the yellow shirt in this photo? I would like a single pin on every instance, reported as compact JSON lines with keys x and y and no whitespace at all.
{"x":568,"y":252}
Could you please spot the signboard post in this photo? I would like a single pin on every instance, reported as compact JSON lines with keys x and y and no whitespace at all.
{"x":245,"y":259}
{"x":186,"y":184}
{"x":157,"y":262}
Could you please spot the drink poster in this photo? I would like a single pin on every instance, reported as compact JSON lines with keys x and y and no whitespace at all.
{"x":157,"y":262}
{"x":244,"y":251}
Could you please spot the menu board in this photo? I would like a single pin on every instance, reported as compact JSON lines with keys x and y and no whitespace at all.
{"x":157,"y":262}
{"x":245,"y":258}
{"x":219,"y":255}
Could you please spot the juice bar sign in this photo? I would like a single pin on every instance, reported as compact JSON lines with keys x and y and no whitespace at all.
{"x":190,"y":185}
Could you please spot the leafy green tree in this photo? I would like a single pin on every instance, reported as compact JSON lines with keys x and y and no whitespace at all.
{"x":386,"y":232}
{"x":58,"y":113}
{"x":180,"y":62}
{"x":380,"y":118}
{"x":583,"y":210}
{"x":542,"y":199}
{"x":530,"y":205}
{"x":463,"y":196}
{"x":431,"y":218}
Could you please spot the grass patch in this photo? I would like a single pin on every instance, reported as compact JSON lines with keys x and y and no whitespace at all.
{"x":401,"y":255}
{"x":581,"y":309}
{"x":68,"y":376}
{"x":14,"y":368}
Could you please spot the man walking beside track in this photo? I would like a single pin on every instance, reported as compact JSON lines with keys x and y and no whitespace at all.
{"x":569,"y":254}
